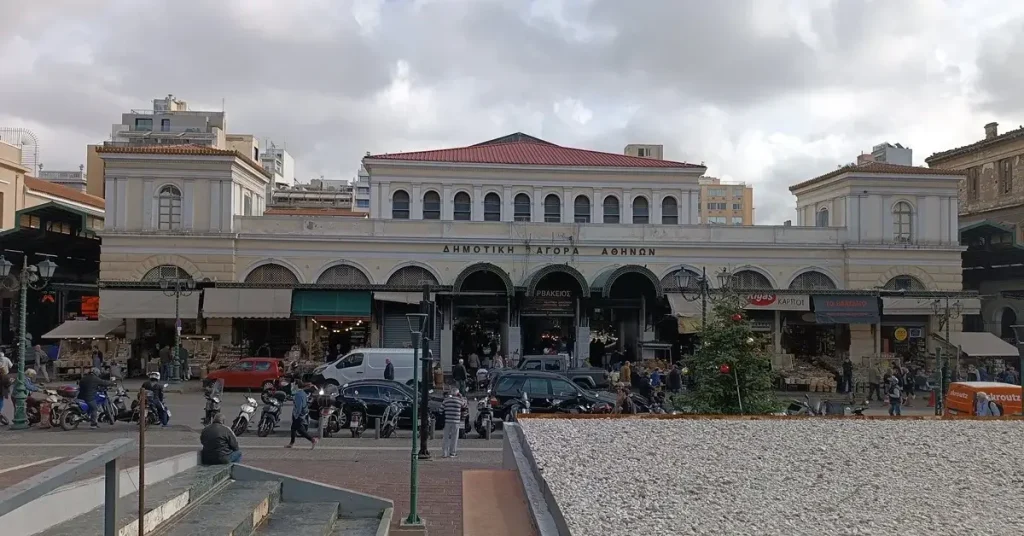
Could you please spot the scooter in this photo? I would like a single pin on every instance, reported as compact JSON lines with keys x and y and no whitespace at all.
{"x":245,"y":413}
{"x":484,"y":424}
{"x":389,"y":421}
{"x":516,"y":407}
{"x":356,"y":410}
{"x":212,"y":394}
{"x":32,"y":405}
{"x":271,"y":415}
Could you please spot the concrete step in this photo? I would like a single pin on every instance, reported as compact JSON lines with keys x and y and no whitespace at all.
{"x":235,"y":510}
{"x":356,"y":527}
{"x":493,"y":504}
{"x":300,"y":519}
{"x":163,"y":500}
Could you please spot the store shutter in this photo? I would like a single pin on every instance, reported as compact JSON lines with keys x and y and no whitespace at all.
{"x":396,"y":328}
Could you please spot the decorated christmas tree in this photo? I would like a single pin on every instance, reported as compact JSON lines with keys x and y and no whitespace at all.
{"x":731,"y":373}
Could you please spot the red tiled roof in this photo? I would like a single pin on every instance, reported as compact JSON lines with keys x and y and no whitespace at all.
{"x":978,"y":145}
{"x":180,"y":150}
{"x":59,"y":190}
{"x":876,"y":168}
{"x":303,"y":211}
{"x":528,"y":151}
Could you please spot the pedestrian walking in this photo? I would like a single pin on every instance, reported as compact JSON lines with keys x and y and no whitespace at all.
{"x":459,"y":375}
{"x":874,"y":383}
{"x":453,"y":406}
{"x":895,"y":397}
{"x":675,"y":379}
{"x":300,"y":410}
{"x":847,"y":375}
{"x":389,"y":370}
{"x":42,"y":362}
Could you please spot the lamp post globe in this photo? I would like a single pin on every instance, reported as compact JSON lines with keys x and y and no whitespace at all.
{"x":683,"y":278}
{"x":724,"y":278}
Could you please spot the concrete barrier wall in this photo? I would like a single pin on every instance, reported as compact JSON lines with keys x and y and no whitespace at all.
{"x":517,"y":456}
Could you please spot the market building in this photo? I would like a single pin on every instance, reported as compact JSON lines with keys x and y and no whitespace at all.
{"x":525,"y":246}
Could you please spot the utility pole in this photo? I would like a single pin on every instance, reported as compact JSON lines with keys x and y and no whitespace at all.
{"x":427,"y":308}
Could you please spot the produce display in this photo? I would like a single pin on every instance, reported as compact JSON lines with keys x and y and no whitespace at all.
{"x":813,"y":378}
{"x":784,"y":477}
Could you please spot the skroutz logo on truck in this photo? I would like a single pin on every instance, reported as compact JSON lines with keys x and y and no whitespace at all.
{"x":1004,"y":398}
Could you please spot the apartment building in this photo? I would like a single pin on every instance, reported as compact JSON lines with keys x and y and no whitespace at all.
{"x":725,"y":203}
{"x":887,"y":153}
{"x":281,"y":164}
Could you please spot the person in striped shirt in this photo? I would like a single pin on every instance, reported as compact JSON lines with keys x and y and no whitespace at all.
{"x":453,"y":406}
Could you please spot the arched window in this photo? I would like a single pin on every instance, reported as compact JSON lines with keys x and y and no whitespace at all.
{"x":463,"y":207}
{"x":552,"y":209}
{"x":904,"y":282}
{"x":400,"y":205}
{"x":272,"y":274}
{"x":641,"y":210}
{"x":492,"y":207}
{"x":611,"y":209}
{"x":431,"y":206}
{"x":903,"y":221}
{"x":581,"y":209}
{"x":522,"y":208}
{"x":812,"y":280}
{"x":165,"y":271}
{"x":169,"y":208}
{"x":750,"y":280}
{"x":821,"y":218}
{"x":669,"y":211}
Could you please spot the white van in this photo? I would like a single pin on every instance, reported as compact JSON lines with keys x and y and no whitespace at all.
{"x":367,"y":364}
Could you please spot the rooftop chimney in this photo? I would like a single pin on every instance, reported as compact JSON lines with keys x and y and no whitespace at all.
{"x":991,"y":130}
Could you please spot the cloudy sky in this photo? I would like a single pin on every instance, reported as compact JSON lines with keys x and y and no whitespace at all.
{"x":770,"y":92}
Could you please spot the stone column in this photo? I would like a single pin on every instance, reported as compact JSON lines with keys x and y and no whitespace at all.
{"x":477,"y":213}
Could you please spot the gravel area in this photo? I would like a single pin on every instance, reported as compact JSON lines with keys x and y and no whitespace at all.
{"x":783,"y":477}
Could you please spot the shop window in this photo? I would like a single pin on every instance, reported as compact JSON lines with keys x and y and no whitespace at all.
{"x":581,"y":209}
{"x":431,"y":206}
{"x":903,"y":222}
{"x":552,"y":209}
{"x":522,"y":209}
{"x":821,"y":218}
{"x":492,"y":207}
{"x":463,"y":207}
{"x":641,"y":211}
{"x":611,"y":209}
{"x":669,"y":211}
{"x":400,"y":205}
{"x":169,"y":208}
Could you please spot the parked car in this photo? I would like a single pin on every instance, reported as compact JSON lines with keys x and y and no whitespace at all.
{"x":250,"y":373}
{"x":585,"y":377}
{"x":547,"y":392}
{"x":366,"y":364}
{"x":378,"y":394}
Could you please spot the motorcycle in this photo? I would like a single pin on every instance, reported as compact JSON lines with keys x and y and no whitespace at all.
{"x":389,"y":421}
{"x":245,"y":413}
{"x":271,"y":415}
{"x":516,"y":407}
{"x":356,"y":410}
{"x":78,"y":411}
{"x":804,"y":407}
{"x":484,"y":424}
{"x":32,"y":406}
{"x":212,"y":394}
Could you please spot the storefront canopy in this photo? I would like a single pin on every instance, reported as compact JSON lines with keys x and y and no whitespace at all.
{"x":146,"y":304}
{"x":894,"y":305}
{"x":682,"y":307}
{"x":350,"y":303}
{"x":84,"y":329}
{"x":401,"y":297}
{"x":982,"y":344}
{"x":247,"y":303}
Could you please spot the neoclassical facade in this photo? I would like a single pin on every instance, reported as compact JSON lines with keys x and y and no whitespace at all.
{"x":528,"y":245}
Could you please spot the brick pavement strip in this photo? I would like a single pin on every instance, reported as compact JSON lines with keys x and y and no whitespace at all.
{"x":440,"y":498}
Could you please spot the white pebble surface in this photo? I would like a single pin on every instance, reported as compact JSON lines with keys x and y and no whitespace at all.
{"x":793,"y":477}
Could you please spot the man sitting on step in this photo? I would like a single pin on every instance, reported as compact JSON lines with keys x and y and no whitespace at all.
{"x":220,"y":446}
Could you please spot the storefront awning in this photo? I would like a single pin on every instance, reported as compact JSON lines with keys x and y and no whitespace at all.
{"x":84,"y":329}
{"x":680,"y":306}
{"x":982,"y":344}
{"x":768,"y":301}
{"x":894,"y":305}
{"x":401,"y":297}
{"x":347,"y":303}
{"x":146,"y":304}
{"x":247,"y":303}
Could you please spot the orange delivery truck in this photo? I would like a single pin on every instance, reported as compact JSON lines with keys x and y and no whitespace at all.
{"x":962,"y":397}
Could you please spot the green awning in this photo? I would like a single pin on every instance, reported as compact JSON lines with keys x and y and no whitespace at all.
{"x":331,"y":303}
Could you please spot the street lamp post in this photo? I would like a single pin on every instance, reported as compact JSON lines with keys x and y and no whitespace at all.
{"x":700,"y":288}
{"x":36,"y":277}
{"x":416,"y":324}
{"x":177,"y":287}
{"x":946,"y":312}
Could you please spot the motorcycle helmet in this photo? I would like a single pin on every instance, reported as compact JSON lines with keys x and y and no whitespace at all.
{"x":154,"y":376}
{"x":30,"y":372}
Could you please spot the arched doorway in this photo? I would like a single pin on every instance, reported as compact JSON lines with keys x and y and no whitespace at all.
{"x":1007,"y":319}
{"x":550,"y":319}
{"x":268,"y":337}
{"x":480,"y":319}
{"x":405,"y":290}
{"x":626,"y":308}
{"x":335,"y":335}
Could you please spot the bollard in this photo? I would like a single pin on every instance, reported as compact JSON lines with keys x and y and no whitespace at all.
{"x":376,"y":428}
{"x":44,"y":414}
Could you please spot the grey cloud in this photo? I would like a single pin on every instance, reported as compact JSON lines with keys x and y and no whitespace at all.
{"x":1001,"y":69}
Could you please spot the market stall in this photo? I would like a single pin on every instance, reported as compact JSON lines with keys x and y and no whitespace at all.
{"x":80,"y":338}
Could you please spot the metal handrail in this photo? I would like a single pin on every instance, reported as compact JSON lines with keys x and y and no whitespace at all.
{"x":39,"y":485}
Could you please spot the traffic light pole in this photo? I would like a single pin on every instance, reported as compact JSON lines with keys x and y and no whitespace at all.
{"x":426,"y":334}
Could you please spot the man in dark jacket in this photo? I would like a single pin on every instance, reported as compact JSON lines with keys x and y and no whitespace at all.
{"x":847,"y":375}
{"x":389,"y":370}
{"x":459,"y":375}
{"x":675,"y":379}
{"x":220,"y":446}
{"x":87,"y":388}
{"x":300,"y":411}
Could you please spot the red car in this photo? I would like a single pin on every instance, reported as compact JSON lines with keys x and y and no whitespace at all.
{"x":250,"y":373}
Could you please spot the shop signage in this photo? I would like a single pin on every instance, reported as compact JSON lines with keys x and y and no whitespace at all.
{"x":761,"y":325}
{"x":778,"y":302}
{"x":900,"y":334}
{"x":482,"y":249}
{"x":846,"y":309}
{"x":549,"y":303}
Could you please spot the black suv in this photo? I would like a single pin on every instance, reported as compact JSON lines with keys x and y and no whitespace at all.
{"x":546,"y":390}
{"x":379,"y":393}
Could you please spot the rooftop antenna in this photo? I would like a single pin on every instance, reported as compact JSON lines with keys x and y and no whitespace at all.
{"x":222,"y":101}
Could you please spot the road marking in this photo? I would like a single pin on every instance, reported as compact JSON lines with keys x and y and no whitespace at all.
{"x":300,"y":446}
{"x":32,"y":464}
